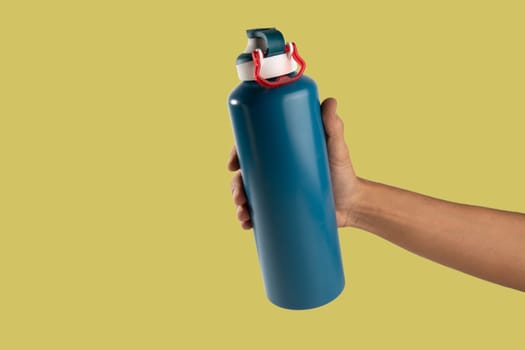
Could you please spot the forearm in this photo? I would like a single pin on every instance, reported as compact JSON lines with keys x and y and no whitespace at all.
{"x":483,"y":242}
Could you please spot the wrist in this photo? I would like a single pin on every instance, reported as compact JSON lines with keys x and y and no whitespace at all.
{"x":356,"y":208}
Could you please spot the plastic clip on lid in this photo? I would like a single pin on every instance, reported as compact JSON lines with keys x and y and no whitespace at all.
{"x":267,"y":56}
{"x":258,"y":60}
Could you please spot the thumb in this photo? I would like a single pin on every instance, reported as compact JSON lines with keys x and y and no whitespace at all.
{"x":335,"y":137}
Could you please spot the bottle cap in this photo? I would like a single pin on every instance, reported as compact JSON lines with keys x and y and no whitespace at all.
{"x":267,"y":56}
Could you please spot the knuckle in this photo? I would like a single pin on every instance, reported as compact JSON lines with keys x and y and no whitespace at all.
{"x":235,"y":181}
{"x":237,"y":197}
{"x":340,"y":123}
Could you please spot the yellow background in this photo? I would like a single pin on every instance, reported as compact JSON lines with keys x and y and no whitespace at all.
{"x":117,"y":230}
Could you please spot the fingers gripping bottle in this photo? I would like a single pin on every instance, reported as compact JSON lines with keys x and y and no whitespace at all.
{"x":276,"y":119}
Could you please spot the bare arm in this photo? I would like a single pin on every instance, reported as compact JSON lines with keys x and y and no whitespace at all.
{"x":486,"y":243}
{"x":483,"y":242}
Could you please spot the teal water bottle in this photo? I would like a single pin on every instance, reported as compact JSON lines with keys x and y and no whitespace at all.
{"x":279,"y":135}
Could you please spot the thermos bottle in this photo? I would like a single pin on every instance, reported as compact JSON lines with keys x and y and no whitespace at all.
{"x":279,"y":135}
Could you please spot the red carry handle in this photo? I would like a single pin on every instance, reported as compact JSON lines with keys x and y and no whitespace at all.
{"x":285,"y":79}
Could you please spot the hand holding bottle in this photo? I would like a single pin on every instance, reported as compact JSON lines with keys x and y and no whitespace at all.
{"x":344,"y":182}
